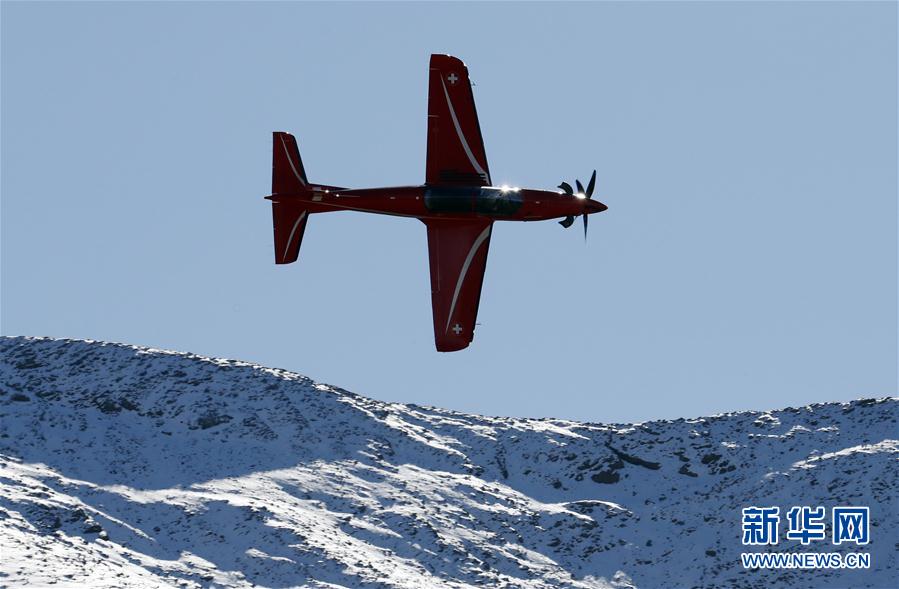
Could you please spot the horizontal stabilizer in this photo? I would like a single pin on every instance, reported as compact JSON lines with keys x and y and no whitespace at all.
{"x":289,"y":221}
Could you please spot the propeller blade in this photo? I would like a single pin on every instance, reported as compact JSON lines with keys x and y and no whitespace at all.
{"x":567,"y":222}
{"x":586,"y":217}
{"x":580,"y":187}
{"x":591,"y":184}
{"x":567,"y":188}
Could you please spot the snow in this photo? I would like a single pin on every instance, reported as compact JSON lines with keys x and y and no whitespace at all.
{"x":123,"y":466}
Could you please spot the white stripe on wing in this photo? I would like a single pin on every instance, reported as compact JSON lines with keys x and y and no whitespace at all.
{"x":474,"y":248}
{"x":471,"y":158}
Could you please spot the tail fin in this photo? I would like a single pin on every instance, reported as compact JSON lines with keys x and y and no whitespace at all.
{"x":288,"y":216}
{"x":289,"y":220}
{"x":288,"y":175}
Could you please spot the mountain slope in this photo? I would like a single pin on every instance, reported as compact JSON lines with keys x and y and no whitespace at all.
{"x":125,"y":466}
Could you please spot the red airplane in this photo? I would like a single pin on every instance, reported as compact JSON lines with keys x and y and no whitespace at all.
{"x":457,"y":202}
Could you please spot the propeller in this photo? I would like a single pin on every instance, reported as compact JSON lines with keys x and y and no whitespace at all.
{"x":581,"y":191}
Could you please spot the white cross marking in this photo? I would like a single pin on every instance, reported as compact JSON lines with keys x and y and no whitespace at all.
{"x":457,"y":329}
{"x":452,"y":79}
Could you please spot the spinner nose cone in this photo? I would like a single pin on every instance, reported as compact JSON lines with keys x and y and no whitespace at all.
{"x":594,"y":206}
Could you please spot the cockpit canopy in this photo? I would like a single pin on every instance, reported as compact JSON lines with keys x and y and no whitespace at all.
{"x":487,"y":200}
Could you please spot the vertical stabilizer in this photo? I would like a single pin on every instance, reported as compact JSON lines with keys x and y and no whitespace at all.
{"x":288,"y":174}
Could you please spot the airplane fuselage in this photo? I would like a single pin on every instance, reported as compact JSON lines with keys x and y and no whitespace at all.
{"x":449,"y":202}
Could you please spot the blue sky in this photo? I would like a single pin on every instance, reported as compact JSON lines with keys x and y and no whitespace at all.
{"x":747,"y":152}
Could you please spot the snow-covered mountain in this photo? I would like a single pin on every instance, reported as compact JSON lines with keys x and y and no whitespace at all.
{"x":123,"y":466}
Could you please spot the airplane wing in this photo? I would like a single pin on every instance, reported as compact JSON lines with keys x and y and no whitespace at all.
{"x":458,"y":255}
{"x":455,"y":148}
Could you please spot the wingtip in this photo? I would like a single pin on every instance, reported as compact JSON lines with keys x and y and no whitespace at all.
{"x":445,"y":347}
{"x":438,"y":59}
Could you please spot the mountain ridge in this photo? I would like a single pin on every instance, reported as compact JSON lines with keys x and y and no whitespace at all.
{"x":139,"y":467}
